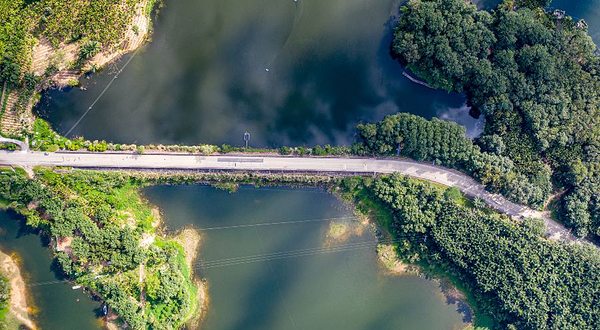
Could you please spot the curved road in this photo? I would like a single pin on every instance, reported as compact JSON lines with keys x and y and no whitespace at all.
{"x":23,"y":145}
{"x":410,"y":168}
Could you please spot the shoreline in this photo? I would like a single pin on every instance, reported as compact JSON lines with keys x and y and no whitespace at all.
{"x":42,"y":55}
{"x":390,"y":263}
{"x":190,"y":239}
{"x":18,"y":306}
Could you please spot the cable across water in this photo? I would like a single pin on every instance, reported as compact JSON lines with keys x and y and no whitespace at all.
{"x":289,"y":254}
{"x":102,"y":93}
{"x":226,"y":262}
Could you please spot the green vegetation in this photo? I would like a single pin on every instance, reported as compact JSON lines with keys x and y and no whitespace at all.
{"x":535,"y":76}
{"x":515,"y":276}
{"x":44,"y":138}
{"x":107,"y":242}
{"x":16,"y":41}
{"x":4,"y":298}
{"x":444,"y":143}
{"x":95,"y":25}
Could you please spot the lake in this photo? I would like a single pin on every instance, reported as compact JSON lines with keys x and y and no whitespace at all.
{"x":288,"y":287}
{"x":203,"y":77}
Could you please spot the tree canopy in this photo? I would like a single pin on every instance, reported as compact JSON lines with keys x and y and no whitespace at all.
{"x":534,"y":75}
{"x":519,"y":278}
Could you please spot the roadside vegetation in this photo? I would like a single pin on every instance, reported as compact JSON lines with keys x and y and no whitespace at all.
{"x":44,"y":138}
{"x":106,"y":239}
{"x":510,"y":273}
{"x":534,"y":76}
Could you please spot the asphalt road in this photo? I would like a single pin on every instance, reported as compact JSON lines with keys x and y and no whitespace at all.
{"x":410,"y":168}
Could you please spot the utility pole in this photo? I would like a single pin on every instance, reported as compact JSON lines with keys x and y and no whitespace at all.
{"x":247,"y":138}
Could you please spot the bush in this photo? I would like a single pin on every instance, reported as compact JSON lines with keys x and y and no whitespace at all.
{"x":453,"y":194}
{"x":285,"y":150}
{"x":4,"y":291}
{"x":50,"y":147}
{"x":318,"y":151}
{"x":302,"y":151}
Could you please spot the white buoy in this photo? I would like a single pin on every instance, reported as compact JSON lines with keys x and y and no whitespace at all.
{"x":267,"y":69}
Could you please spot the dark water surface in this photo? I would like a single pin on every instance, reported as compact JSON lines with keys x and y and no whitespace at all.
{"x":58,"y":306}
{"x":203,"y":77}
{"x":343,"y":290}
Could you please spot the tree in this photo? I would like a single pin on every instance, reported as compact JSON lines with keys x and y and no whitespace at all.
{"x":318,"y":151}
{"x":285,"y":150}
{"x":453,"y":194}
{"x":89,"y":50}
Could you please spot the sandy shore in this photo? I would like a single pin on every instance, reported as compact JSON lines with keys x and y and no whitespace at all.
{"x":18,"y":296}
{"x":191,"y":239}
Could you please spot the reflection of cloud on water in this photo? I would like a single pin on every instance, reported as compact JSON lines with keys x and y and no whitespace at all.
{"x":461,"y":116}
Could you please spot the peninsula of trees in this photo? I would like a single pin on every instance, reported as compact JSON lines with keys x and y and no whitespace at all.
{"x":535,"y":77}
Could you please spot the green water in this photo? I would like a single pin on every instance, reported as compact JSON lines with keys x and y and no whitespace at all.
{"x":203,"y":77}
{"x":59,"y":306}
{"x":342,"y":290}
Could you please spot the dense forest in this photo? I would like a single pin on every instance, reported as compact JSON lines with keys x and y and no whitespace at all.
{"x":445,"y":143}
{"x":517,"y":277}
{"x":106,"y":241}
{"x":534,"y":76}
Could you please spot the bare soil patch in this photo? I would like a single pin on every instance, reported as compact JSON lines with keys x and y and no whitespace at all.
{"x":19,"y":308}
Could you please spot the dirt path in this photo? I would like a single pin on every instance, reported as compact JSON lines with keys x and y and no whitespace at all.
{"x":18,"y":295}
